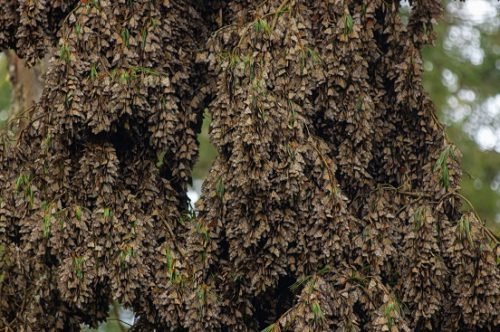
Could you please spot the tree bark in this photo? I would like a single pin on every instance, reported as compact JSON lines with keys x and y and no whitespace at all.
{"x":27,"y":83}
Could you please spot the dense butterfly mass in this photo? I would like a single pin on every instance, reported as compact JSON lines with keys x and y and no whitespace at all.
{"x":333,"y":203}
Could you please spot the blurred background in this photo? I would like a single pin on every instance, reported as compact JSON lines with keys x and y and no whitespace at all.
{"x":462,"y":76}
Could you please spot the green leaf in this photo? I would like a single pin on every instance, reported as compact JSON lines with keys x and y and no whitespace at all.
{"x":391,"y":311}
{"x":47,"y":142}
{"x":107,"y":213}
{"x":300,"y":281}
{"x":78,"y":213}
{"x":20,"y":182}
{"x":46,"y":226}
{"x":93,"y":71}
{"x":78,"y":29}
{"x":219,"y":188}
{"x":125,"y":34}
{"x":64,"y":53}
{"x":441,"y":165}
{"x":203,"y":230}
{"x":261,"y":25}
{"x":318,"y":313}
{"x":349,"y":24}
{"x":201,"y":294}
{"x":445,"y":176}
{"x":30,"y":195}
{"x":418,"y":218}
{"x":271,"y":328}
{"x":170,"y":262}
{"x":443,"y":156}
{"x":313,"y":55}
{"x":78,"y":267}
{"x":144,"y":35}
{"x":465,"y":229}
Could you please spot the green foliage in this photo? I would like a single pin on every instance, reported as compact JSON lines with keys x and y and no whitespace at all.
{"x":481,"y":167}
{"x":348,"y":24}
{"x":418,"y":218}
{"x":391,"y":311}
{"x":64,"y":52}
{"x":78,"y":213}
{"x":272,"y":328}
{"x":261,"y":25}
{"x":93,"y":71}
{"x":441,"y":165}
{"x":78,"y":267}
{"x":125,"y":255}
{"x":125,"y":34}
{"x":464,"y":228}
{"x":107,"y":213}
{"x":78,"y":29}
{"x":317,"y":311}
{"x":220,"y":188}
{"x":46,"y":225}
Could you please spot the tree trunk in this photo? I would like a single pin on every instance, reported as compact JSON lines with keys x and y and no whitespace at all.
{"x":27,"y":83}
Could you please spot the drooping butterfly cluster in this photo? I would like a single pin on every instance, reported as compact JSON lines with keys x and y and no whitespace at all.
{"x":333,"y":202}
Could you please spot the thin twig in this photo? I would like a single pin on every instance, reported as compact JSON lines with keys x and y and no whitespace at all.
{"x":277,"y":13}
{"x":171,"y":232}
